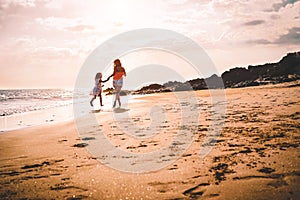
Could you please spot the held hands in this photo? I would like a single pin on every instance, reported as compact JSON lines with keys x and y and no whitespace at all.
{"x":107,"y":79}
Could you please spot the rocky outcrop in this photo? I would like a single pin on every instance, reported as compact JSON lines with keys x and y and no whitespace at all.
{"x":153,"y":88}
{"x":287,"y":69}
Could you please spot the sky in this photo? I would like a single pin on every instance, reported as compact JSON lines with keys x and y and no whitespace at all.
{"x":45,"y":43}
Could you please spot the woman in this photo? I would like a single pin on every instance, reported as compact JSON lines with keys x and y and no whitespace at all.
{"x":118,"y":74}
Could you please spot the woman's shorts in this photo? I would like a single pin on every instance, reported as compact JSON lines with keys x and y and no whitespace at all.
{"x":118,"y":83}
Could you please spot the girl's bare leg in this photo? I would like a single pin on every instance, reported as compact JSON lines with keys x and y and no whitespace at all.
{"x":91,"y":102}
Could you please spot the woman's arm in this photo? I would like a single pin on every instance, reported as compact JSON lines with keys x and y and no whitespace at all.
{"x":124,"y":71}
{"x":108,"y":77}
{"x":106,"y":80}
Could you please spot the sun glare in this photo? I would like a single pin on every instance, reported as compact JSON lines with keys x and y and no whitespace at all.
{"x":121,"y":10}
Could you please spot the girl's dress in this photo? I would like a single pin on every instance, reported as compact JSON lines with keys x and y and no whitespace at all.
{"x":97,"y":88}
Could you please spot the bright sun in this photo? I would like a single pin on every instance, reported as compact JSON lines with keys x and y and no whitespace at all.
{"x":121,"y":10}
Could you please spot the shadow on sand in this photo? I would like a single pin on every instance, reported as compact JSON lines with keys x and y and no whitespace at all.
{"x":120,"y":110}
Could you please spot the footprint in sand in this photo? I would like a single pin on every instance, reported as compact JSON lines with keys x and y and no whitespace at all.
{"x":196,"y":191}
{"x":266,"y":170}
{"x":88,"y":138}
{"x":80,"y":145}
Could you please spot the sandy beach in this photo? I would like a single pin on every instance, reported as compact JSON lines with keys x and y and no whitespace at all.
{"x":256,"y":155}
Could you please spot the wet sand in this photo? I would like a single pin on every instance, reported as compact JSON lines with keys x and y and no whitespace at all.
{"x":256,"y":155}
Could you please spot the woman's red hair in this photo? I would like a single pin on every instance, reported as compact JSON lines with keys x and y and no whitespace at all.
{"x":117,"y":63}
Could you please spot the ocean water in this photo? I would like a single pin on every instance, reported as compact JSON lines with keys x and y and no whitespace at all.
{"x":31,"y":107}
{"x":20,"y":101}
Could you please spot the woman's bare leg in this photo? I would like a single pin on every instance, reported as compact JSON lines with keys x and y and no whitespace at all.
{"x":118,"y":95}
{"x":100,"y":97}
{"x":114,"y":105}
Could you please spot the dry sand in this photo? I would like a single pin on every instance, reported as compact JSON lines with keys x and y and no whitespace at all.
{"x":255,"y":157}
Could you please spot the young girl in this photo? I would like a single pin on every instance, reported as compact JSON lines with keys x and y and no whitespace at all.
{"x":97,"y":88}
